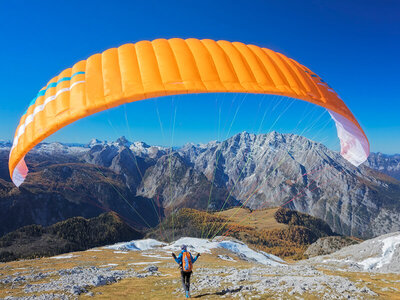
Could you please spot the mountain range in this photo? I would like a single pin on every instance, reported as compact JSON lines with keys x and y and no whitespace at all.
{"x":144,"y":183}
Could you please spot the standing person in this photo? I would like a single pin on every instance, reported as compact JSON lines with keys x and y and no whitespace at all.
{"x":185,"y":261}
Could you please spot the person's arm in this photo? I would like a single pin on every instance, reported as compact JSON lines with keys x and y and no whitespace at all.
{"x":194,"y":259}
{"x":178,"y":259}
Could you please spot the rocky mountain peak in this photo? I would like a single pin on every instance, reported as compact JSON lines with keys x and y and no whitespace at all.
{"x":94,"y":142}
{"x":122,"y":141}
{"x":142,"y":145}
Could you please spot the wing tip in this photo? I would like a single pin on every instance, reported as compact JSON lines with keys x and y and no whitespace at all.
{"x":20,"y":172}
{"x":354,"y":144}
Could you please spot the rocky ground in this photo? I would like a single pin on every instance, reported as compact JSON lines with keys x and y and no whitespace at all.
{"x":275,"y":281}
{"x":145,"y":270}
{"x":69,"y":283}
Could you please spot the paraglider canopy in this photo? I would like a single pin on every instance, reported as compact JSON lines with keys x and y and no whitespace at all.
{"x":163,"y":67}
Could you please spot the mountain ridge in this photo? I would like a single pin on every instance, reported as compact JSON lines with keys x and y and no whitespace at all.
{"x":256,"y":170}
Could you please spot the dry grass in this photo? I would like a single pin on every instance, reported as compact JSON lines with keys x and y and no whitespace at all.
{"x":165,"y":286}
{"x":258,"y":219}
{"x":380,"y":283}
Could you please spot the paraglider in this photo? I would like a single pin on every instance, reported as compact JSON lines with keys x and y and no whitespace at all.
{"x":163,"y":67}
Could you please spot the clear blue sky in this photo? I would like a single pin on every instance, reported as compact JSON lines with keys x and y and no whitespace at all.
{"x":353,"y":45}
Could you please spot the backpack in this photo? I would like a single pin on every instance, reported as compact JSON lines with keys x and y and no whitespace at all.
{"x":186,"y":262}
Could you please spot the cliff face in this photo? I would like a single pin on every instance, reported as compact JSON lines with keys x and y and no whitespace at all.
{"x":272,"y":169}
{"x":178,"y":184}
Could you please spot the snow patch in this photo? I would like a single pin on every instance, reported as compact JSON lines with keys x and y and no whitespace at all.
{"x":145,"y":263}
{"x":64,"y":256}
{"x":193,"y":244}
{"x":225,"y":257}
{"x":388,"y":248}
{"x":156,"y":256}
{"x":109,"y":265}
{"x":137,"y":245}
{"x":381,"y":254}
{"x":200,"y":246}
{"x":243,"y":251}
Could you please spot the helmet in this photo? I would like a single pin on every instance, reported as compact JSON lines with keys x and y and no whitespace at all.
{"x":184,"y":247}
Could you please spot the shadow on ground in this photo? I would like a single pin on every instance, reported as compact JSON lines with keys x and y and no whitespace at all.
{"x":221,"y":293}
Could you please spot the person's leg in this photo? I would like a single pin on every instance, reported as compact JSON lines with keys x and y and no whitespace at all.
{"x":188,"y":280}
{"x":183,"y":276}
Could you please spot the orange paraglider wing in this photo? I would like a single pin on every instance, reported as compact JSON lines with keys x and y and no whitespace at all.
{"x":163,"y":67}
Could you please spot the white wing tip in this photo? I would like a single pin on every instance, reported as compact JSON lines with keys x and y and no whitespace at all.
{"x":19,"y":173}
{"x":353,"y":142}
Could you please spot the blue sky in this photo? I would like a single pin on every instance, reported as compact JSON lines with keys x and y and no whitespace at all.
{"x":353,"y":45}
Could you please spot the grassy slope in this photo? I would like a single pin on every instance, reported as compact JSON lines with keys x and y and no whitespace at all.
{"x":257,"y":219}
{"x":257,"y":228}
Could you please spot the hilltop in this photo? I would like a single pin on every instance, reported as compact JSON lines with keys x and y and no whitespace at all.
{"x":73,"y":234}
{"x":279,"y":231}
